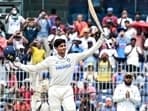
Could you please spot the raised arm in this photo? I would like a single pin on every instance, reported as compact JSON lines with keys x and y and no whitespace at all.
{"x":34,"y":68}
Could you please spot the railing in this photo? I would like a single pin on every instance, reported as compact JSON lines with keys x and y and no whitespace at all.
{"x":16,"y":86}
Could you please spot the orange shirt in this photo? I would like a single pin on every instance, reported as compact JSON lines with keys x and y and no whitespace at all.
{"x":80,"y":26}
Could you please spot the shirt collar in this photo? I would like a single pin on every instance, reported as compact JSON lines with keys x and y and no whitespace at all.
{"x":58,"y":56}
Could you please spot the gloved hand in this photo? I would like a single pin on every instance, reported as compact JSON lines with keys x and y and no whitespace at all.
{"x":16,"y":64}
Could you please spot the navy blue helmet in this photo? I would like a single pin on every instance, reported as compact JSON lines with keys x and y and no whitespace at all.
{"x":10,"y":53}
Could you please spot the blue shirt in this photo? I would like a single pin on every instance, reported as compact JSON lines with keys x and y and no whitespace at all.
{"x":122,"y":42}
{"x":44,"y":28}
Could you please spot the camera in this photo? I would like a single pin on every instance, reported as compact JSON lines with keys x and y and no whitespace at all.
{"x":31,"y":19}
{"x":17,"y":36}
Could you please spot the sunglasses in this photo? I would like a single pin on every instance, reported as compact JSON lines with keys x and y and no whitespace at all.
{"x":128,"y":77}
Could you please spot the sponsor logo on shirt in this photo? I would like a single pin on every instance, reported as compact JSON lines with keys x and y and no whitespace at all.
{"x":63,"y":66}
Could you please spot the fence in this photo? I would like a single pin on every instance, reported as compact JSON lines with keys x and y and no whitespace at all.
{"x":16,"y":88}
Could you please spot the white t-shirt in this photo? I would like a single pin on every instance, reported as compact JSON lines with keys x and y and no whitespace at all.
{"x":85,"y":41}
{"x":133,"y":57}
{"x":14,"y":24}
{"x":130,"y":33}
{"x":122,"y":21}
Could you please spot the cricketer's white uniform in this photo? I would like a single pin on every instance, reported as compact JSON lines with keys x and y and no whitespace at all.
{"x":124,"y":104}
{"x":61,"y":71}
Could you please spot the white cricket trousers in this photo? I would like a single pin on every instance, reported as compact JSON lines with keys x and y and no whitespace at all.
{"x":36,"y":102}
{"x":61,"y":95}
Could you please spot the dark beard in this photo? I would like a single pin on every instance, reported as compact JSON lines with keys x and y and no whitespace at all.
{"x":127,"y":84}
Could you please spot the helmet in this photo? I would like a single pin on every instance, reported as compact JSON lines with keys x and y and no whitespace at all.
{"x":10,"y":53}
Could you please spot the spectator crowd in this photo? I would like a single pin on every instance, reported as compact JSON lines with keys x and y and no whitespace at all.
{"x":95,"y":79}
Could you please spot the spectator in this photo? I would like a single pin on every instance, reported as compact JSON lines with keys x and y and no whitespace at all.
{"x":132,"y":53}
{"x":140,"y":38}
{"x":80,"y":24}
{"x":118,"y":77}
{"x":14,"y":20}
{"x":51,"y":18}
{"x":26,"y":91}
{"x":88,"y":96}
{"x":3,"y":44}
{"x":30,"y":29}
{"x":126,"y":95}
{"x":51,"y":38}
{"x":36,"y":51}
{"x":87,"y":38}
{"x":76,"y":93}
{"x":18,"y":40}
{"x":72,"y":33}
{"x":44,"y":29}
{"x":109,"y":106}
{"x":138,"y":18}
{"x":60,"y":25}
{"x":90,"y":73}
{"x":109,"y":49}
{"x":21,"y":106}
{"x":104,"y":72}
{"x":109,"y":18}
{"x":121,"y":43}
{"x":123,"y":18}
{"x":94,"y":32}
{"x":130,"y":31}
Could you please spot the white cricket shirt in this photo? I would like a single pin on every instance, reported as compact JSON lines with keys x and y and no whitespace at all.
{"x":61,"y":69}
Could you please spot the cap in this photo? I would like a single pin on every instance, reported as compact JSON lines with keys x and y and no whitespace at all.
{"x":110,"y":9}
